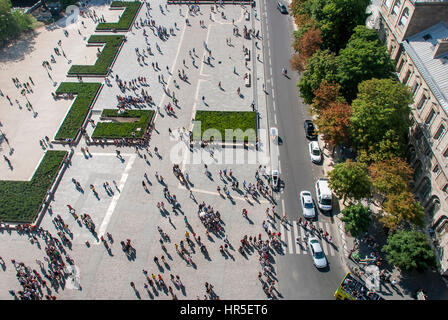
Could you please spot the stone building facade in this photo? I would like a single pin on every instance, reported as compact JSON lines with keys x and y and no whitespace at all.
{"x":416,"y":35}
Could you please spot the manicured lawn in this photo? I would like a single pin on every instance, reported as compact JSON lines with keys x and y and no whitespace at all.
{"x":85,"y":92}
{"x":126,"y":18}
{"x":117,"y":130}
{"x":21,"y":200}
{"x":107,"y":56}
{"x":222,"y":120}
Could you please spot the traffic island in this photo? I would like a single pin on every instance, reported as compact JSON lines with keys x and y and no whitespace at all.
{"x":106,"y":57}
{"x":86,"y":94}
{"x":22,"y":200}
{"x":126,"y":20}
{"x":128,"y":124}
{"x":228,"y":128}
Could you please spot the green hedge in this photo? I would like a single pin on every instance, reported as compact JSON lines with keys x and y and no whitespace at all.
{"x":107,"y":56}
{"x":86,"y":92}
{"x":21,"y":200}
{"x":116,"y":130}
{"x":131,"y":9}
{"x":222,"y":120}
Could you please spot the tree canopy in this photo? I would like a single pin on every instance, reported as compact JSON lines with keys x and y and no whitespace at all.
{"x":321,"y":66}
{"x":350,"y":180}
{"x":356,"y":218}
{"x":380,"y":113}
{"x":401,"y":209}
{"x":13,"y":22}
{"x":362,"y":59}
{"x":392,"y":176}
{"x":333,"y":123}
{"x":409,"y":250}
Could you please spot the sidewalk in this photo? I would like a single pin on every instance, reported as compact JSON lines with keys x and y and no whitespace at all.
{"x":408,"y":283}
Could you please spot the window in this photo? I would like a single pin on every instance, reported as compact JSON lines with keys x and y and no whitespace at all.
{"x":445,"y":188}
{"x":400,"y":66}
{"x":422,"y":102}
{"x":426,"y":37}
{"x":404,"y":17}
{"x":436,"y":169}
{"x":430,"y":116}
{"x":396,"y":8}
{"x":406,"y":78}
{"x":445,"y":154}
{"x":440,"y":132}
{"x":415,"y":87}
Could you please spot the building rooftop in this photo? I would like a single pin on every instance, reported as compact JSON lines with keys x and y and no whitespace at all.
{"x":421,"y":48}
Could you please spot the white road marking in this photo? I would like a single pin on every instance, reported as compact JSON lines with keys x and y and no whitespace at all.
{"x":107,"y":154}
{"x":290,"y":241}
{"x":296,"y":235}
{"x":115,"y":198}
{"x":217,"y":194}
{"x":283,"y":236}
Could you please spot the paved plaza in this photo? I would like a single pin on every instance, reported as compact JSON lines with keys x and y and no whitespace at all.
{"x":128,"y":211}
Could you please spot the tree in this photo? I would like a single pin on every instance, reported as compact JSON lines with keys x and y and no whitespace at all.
{"x":380,"y":113}
{"x":337,"y":20}
{"x":350,"y":180}
{"x":333,"y":122}
{"x":390,"y":147}
{"x":391,"y":177}
{"x":357,"y":219}
{"x":327,"y":93}
{"x":309,"y":43}
{"x":13,"y":22}
{"x":297,"y":63}
{"x":401,"y":209}
{"x":321,"y":66}
{"x":362,"y":60}
{"x":409,"y":250}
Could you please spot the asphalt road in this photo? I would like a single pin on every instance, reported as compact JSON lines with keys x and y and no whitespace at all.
{"x":298,"y":278}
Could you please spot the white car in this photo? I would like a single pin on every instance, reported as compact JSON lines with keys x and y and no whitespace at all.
{"x":317,"y":253}
{"x":315,"y":153}
{"x":306,"y":200}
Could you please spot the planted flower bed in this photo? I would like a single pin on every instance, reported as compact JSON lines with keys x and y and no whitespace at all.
{"x":129,"y":124}
{"x":126,"y":19}
{"x":105,"y":59}
{"x":79,"y":109}
{"x":21,"y":200}
{"x":241,"y":126}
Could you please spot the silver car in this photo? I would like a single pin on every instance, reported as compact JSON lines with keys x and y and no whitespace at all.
{"x":306,"y":200}
{"x":317,"y":253}
{"x":315,"y":153}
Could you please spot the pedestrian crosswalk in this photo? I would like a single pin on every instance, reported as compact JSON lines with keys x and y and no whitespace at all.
{"x":292,"y":230}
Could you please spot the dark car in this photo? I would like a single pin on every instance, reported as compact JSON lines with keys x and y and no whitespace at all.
{"x":310,"y":131}
{"x":281,"y":7}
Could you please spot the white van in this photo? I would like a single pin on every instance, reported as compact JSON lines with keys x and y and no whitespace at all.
{"x":323,"y":194}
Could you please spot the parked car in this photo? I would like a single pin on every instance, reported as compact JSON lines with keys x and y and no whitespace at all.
{"x":315,"y":153}
{"x":323,"y":194}
{"x":306,"y":200}
{"x":317,"y":253}
{"x":310,"y":130}
{"x":281,"y":7}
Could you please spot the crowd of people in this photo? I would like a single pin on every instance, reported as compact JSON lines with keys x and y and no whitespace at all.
{"x":210,"y":218}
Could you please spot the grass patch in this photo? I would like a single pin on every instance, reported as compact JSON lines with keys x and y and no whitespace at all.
{"x":21,"y":200}
{"x":214,"y":123}
{"x":105,"y":59}
{"x":118,"y":130}
{"x":125,"y":21}
{"x":85,"y":92}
